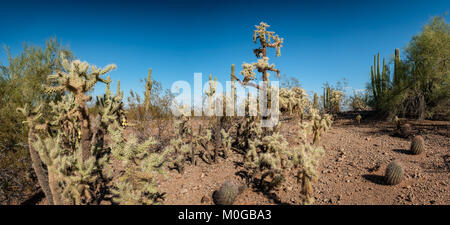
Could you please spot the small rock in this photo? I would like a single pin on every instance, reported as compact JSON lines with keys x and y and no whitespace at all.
{"x":205,"y":199}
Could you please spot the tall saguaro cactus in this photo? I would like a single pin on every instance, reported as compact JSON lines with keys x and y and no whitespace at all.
{"x":148,"y":90}
{"x":316,"y":101}
{"x":379,"y":80}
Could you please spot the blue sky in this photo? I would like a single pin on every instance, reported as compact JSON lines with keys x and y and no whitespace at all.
{"x":324,"y":40}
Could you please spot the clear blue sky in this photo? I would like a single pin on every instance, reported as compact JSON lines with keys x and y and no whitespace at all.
{"x":324,"y":40}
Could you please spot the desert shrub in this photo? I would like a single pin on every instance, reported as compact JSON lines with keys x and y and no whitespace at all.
{"x":21,"y":82}
{"x":419,"y":85}
{"x":394,"y":173}
{"x":417,"y":145}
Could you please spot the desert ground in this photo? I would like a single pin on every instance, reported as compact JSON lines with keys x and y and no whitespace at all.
{"x":351,"y":171}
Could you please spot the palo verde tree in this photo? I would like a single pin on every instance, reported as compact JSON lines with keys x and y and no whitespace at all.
{"x":22,"y":79}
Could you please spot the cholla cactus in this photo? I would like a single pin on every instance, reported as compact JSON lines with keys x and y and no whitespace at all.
{"x":136,"y":183}
{"x":267,"y":39}
{"x":319,"y":125}
{"x":32,"y":116}
{"x":336,"y":98}
{"x":267,"y":158}
{"x":72,"y":143}
{"x":210,"y":94}
{"x":181,"y":147}
{"x":293,"y":100}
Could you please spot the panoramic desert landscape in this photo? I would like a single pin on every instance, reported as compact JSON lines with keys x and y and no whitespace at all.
{"x":75,"y":133}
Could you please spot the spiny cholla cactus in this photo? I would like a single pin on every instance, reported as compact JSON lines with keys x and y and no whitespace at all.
{"x":227,"y":193}
{"x":139,"y":168}
{"x":336,"y":98}
{"x":181,"y":148}
{"x":72,"y":143}
{"x":306,"y":158}
{"x":293,"y":100}
{"x":417,"y":145}
{"x":267,"y":39}
{"x":319,"y":124}
{"x":267,"y":158}
{"x":32,"y":116}
{"x":394,"y":173}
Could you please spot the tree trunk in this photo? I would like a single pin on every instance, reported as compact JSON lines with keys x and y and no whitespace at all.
{"x":421,"y":108}
{"x":54,"y":187}
{"x":39,"y":169}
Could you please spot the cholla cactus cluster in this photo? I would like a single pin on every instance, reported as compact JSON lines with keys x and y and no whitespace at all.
{"x":73,"y":148}
{"x":181,"y":147}
{"x":293,"y":100}
{"x":136,"y":183}
{"x":336,"y":98}
{"x":267,"y":154}
{"x":267,"y":158}
{"x":267,"y":39}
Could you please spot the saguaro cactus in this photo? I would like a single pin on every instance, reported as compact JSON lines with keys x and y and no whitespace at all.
{"x":148,"y":90}
{"x":316,"y":101}
{"x":379,"y":80}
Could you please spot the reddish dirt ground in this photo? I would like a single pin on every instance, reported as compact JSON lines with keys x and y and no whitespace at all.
{"x":351,"y":171}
